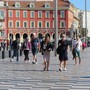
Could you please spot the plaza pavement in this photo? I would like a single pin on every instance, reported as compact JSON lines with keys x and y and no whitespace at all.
{"x":25,"y":76}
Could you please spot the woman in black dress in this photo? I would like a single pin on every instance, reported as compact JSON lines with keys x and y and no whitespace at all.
{"x":63,"y":51}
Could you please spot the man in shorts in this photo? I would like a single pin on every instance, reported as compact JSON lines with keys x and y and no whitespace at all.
{"x":35,"y":47}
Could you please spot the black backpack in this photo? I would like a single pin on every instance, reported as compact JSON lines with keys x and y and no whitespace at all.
{"x":15,"y":45}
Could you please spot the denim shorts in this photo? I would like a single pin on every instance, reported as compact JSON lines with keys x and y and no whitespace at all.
{"x":77,"y":53}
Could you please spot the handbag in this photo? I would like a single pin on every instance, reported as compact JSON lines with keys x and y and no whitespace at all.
{"x":58,"y":50}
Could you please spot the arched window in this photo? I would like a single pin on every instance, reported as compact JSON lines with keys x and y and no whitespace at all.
{"x":17,"y":4}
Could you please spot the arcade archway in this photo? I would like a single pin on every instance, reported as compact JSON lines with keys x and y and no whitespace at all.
{"x":25,"y":36}
{"x":17,"y":35}
{"x":47,"y":34}
{"x":54,"y":36}
{"x":11,"y":36}
{"x":31,"y":35}
{"x":40,"y":36}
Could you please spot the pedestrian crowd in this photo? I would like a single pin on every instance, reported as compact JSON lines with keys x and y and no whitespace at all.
{"x":34,"y":45}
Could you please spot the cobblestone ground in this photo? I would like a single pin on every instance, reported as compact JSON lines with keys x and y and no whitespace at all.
{"x":25,"y":76}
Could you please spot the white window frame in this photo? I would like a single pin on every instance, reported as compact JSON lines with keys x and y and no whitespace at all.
{"x":17,"y":4}
{"x":2,"y":14}
{"x":46,"y":24}
{"x":53,"y":14}
{"x":39,"y":12}
{"x":17,"y":11}
{"x":47,"y":4}
{"x":53,"y":24}
{"x":9,"y":24}
{"x":16,"y":24}
{"x":62,"y":22}
{"x":31,"y":24}
{"x":62,"y":14}
{"x":46,"y":14}
{"x":2,"y":25}
{"x":31,"y":15}
{"x":10,"y":13}
{"x":6,"y":3}
{"x":26,"y":24}
{"x":26,"y":14}
{"x":32,"y":5}
{"x":41,"y":24}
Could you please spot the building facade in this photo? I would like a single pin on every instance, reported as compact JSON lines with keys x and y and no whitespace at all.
{"x":22,"y":18}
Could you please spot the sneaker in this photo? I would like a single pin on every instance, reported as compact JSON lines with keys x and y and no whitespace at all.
{"x":60,"y":69}
{"x":17,"y":60}
{"x":11,"y":60}
{"x":33,"y":62}
{"x":44,"y":68}
{"x":25,"y":61}
{"x":36,"y":62}
{"x":28,"y":60}
{"x":75,"y":64}
{"x":65,"y":69}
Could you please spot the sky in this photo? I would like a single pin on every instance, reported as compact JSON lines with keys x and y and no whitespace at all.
{"x":81,"y":4}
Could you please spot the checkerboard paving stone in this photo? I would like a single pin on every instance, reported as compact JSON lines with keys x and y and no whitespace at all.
{"x":40,"y":89}
{"x":58,"y":88}
{"x":25,"y":76}
{"x":18,"y":89}
{"x":79,"y":89}
{"x":25,"y":88}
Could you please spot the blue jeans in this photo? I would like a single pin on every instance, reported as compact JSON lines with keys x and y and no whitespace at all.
{"x":15,"y":54}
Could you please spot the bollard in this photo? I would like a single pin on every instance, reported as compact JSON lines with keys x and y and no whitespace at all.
{"x":0,"y":48}
{"x":20,"y":52}
{"x":7,"y":47}
{"x":9,"y":53}
{"x":3,"y":54}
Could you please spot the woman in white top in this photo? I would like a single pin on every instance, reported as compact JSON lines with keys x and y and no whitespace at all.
{"x":78,"y":49}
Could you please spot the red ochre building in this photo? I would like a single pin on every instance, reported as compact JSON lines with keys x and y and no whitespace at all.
{"x":22,"y":18}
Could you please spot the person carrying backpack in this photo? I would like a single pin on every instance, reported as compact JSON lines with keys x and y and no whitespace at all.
{"x":26,"y":47}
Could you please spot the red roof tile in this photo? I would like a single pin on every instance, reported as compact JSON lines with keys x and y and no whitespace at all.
{"x":38,"y":4}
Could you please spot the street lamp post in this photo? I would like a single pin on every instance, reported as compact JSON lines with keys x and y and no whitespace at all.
{"x":86,"y":20}
{"x":72,"y":31}
{"x":56,"y":24}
